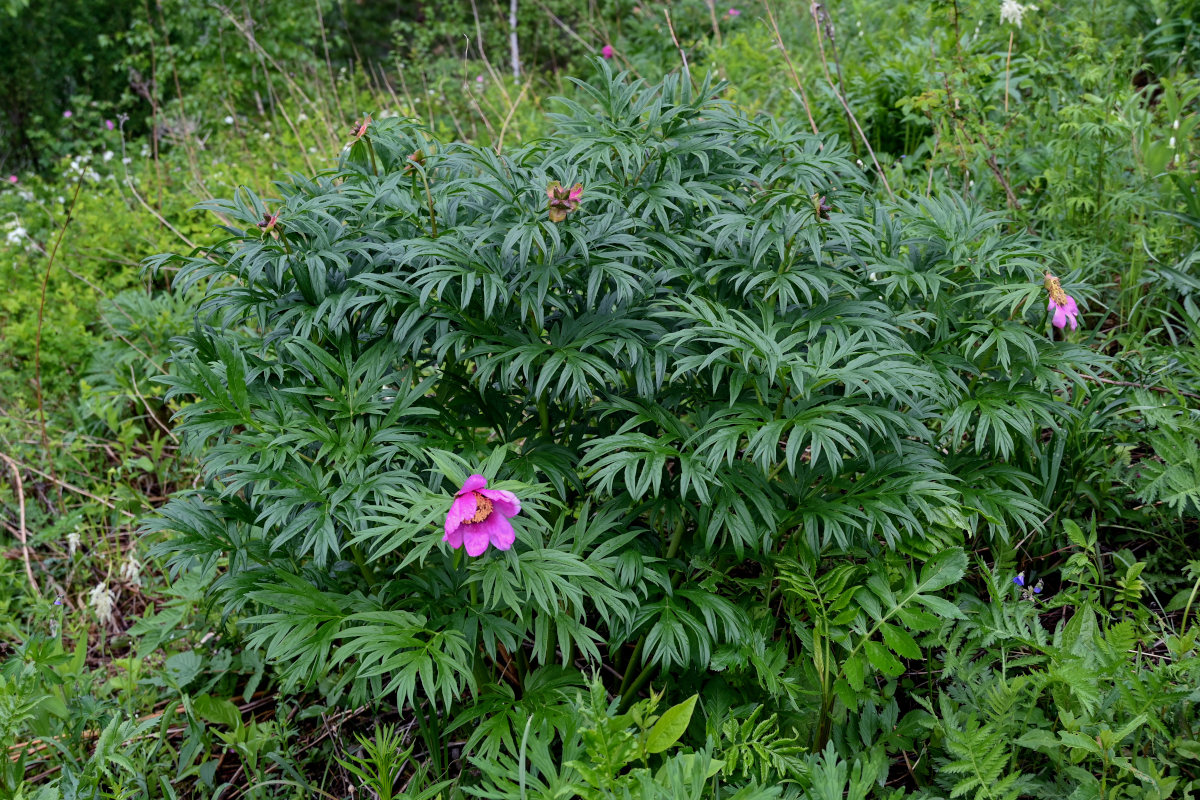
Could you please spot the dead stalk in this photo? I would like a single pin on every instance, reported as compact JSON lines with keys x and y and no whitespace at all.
{"x":813,"y":10}
{"x":791,"y":68}
{"x":22,"y":535}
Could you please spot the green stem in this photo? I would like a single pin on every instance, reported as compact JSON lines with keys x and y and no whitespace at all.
{"x":544,"y":415}
{"x":1187,"y":609}
{"x":643,"y":676}
{"x":629,"y":690}
{"x":676,"y":538}
{"x":630,"y":664}
{"x":371,"y":151}
{"x":367,"y":573}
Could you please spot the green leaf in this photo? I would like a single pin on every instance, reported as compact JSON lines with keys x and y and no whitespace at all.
{"x":882,"y":659}
{"x":900,"y":641}
{"x":945,"y":568}
{"x":1189,"y":748}
{"x":218,"y":710}
{"x":855,"y":674}
{"x":670,"y":726}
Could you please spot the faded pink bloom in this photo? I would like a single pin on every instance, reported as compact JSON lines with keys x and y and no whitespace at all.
{"x":479,"y":517}
{"x":607,"y":51}
{"x":358,"y":129}
{"x":66,"y":114}
{"x":1062,"y":304}
{"x":12,"y":178}
{"x":735,"y":12}
{"x":562,"y":200}
{"x":108,"y":123}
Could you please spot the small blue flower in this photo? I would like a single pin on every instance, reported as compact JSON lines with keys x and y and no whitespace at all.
{"x":58,"y":600}
{"x":1020,"y":579}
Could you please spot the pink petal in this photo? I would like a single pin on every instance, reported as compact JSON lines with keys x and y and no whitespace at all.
{"x":461,"y":510}
{"x":454,"y":537}
{"x":1060,"y":316}
{"x":576,"y":193}
{"x":473,"y":484}
{"x":505,"y":502}
{"x":1072,"y":308}
{"x":1073,"y":319}
{"x":497,"y":529}
{"x":476,"y":537}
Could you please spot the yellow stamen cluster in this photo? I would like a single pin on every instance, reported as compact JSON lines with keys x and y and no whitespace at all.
{"x":483,"y":508}
{"x":1054,"y":288}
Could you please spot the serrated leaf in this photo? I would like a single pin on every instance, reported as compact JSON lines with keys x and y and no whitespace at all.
{"x":882,"y":659}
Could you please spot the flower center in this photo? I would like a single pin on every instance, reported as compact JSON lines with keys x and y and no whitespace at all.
{"x":1055,"y":290}
{"x":483,"y":509}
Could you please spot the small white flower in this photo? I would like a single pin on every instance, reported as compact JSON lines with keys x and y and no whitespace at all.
{"x":131,"y":571}
{"x":1011,"y":11}
{"x":108,"y":156}
{"x":1175,"y":125}
{"x":127,"y":161}
{"x":102,"y":600}
{"x":228,"y":120}
{"x":871,"y":276}
{"x":302,"y":117}
{"x":266,"y":136}
{"x":1171,"y":144}
{"x":15,"y":235}
{"x":72,"y":543}
{"x":145,"y":150}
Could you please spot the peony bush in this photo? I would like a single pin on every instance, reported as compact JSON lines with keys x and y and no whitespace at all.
{"x":692,"y":348}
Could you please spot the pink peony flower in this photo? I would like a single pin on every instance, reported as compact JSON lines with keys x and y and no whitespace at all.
{"x":12,"y":178}
{"x":1062,"y":304}
{"x":607,"y":51}
{"x":735,"y":12}
{"x":479,"y":517}
{"x":108,"y":123}
{"x":66,"y":115}
{"x":562,"y":200}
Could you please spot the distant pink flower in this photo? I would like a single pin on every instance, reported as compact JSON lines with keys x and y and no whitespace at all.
{"x":479,"y":517}
{"x":66,"y":115}
{"x":12,"y":178}
{"x":735,"y":12}
{"x":607,"y":51}
{"x":1062,"y":304}
{"x":479,"y":79}
{"x":108,"y":123}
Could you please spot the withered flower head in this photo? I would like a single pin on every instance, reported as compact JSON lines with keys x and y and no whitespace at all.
{"x":359,"y":128}
{"x":269,"y":222}
{"x":820,"y":206}
{"x":563,"y":200}
{"x":417,"y":159}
